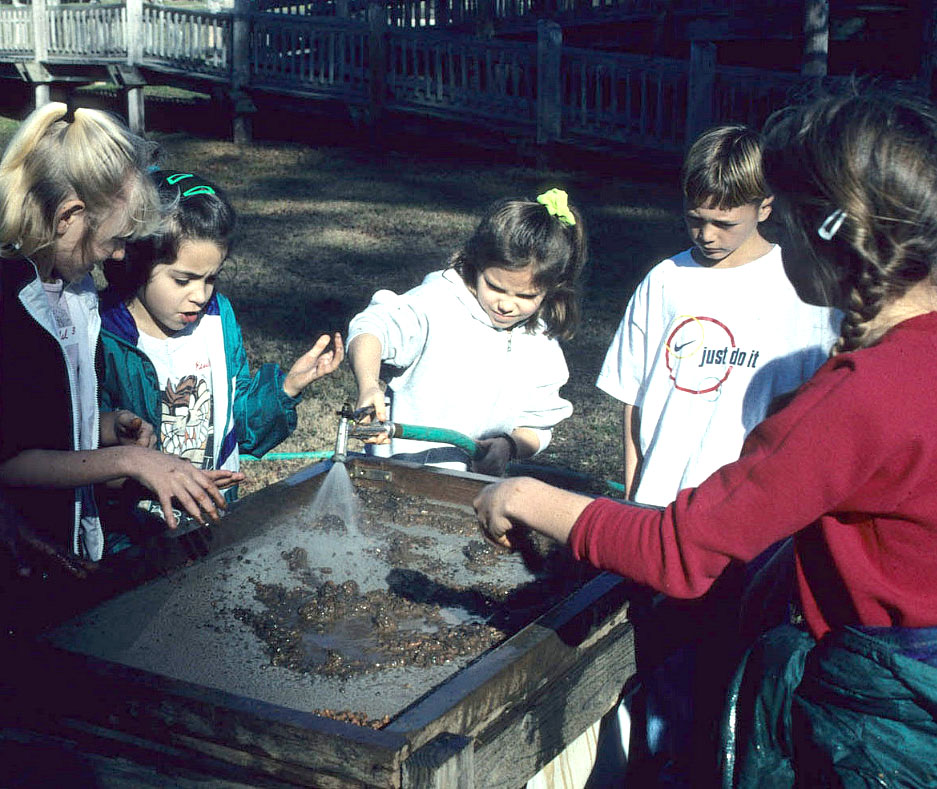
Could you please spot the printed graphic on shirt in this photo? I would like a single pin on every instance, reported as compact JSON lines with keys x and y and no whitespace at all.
{"x":67,"y":330}
{"x":187,"y":428}
{"x":701,"y":353}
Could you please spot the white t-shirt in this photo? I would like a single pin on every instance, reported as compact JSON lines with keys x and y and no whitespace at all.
{"x":701,"y":352}
{"x":183,"y":368}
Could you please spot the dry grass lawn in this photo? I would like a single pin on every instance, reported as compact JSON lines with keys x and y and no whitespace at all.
{"x":321,"y":229}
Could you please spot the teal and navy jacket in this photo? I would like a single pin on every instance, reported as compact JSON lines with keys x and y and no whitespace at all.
{"x":858,"y":708}
{"x":252,"y":412}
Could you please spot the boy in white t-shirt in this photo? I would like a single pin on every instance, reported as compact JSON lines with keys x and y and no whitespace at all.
{"x":709,"y":339}
{"x":713,"y":334}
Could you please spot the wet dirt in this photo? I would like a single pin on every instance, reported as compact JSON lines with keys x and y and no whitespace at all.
{"x":355,"y":624}
{"x":339,"y":630}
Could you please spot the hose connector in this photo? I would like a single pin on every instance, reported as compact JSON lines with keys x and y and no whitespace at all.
{"x":341,"y":438}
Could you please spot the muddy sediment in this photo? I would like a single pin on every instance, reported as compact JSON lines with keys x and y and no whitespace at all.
{"x":354,"y":616}
{"x":431,"y":612}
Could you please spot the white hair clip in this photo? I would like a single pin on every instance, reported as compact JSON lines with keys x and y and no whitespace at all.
{"x":831,"y":224}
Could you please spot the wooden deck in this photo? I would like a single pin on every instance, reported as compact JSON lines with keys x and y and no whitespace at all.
{"x":407,"y":56}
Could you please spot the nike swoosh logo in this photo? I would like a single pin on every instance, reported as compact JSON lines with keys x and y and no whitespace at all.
{"x":678,"y":348}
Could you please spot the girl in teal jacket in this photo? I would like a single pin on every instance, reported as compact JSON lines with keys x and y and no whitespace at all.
{"x":172,"y":346}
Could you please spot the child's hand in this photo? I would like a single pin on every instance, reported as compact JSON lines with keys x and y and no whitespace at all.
{"x":373,"y":396}
{"x":223,"y":478}
{"x":496,"y":458}
{"x":125,"y":428}
{"x":132,"y":430}
{"x":172,"y":477}
{"x":314,"y":364}
{"x":491,"y":510}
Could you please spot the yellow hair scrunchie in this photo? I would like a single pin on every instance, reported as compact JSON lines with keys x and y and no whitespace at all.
{"x":556,"y":202}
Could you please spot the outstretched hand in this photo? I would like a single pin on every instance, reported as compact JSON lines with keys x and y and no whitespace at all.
{"x":314,"y":364}
{"x":530,"y":502}
{"x":172,"y":477}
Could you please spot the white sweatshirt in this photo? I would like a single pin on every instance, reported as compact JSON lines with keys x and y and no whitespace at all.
{"x":455,"y":370}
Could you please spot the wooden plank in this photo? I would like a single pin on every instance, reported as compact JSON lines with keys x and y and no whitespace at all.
{"x":530,"y":660}
{"x":549,"y":98}
{"x":204,"y":723}
{"x":700,"y":89}
{"x":446,"y":762}
{"x":39,"y":758}
{"x":525,"y":738}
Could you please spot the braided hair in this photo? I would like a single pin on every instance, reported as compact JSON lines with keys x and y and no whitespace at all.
{"x":856,"y":178}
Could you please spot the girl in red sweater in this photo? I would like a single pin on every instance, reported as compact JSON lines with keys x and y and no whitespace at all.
{"x":848,"y":469}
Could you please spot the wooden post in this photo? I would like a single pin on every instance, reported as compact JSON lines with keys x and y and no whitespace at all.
{"x":244,"y":108}
{"x":135,"y":101}
{"x":485,"y":19}
{"x":440,"y":13}
{"x":816,"y":38}
{"x":377,"y":62}
{"x":549,"y":98}
{"x":445,"y":762}
{"x":42,"y":91}
{"x":928,"y":45}
{"x":700,"y":88}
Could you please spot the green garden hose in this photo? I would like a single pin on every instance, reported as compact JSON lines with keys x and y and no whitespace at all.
{"x":440,"y":435}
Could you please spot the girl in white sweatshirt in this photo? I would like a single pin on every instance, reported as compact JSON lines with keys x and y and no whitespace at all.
{"x":474,"y":348}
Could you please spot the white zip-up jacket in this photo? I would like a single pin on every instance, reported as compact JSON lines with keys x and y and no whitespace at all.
{"x":34,"y":320}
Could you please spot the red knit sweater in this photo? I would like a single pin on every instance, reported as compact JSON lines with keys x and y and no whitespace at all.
{"x":849,"y":466}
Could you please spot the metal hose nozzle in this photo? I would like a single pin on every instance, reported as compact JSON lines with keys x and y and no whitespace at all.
{"x":372,"y":430}
{"x":341,"y":441}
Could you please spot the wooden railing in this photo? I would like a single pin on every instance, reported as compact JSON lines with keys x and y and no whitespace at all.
{"x":462,"y":76}
{"x":554,"y":92}
{"x":626,"y":98}
{"x":441,"y":13}
{"x":310,"y":55}
{"x":187,"y":40}
{"x":87,"y":30}
{"x":746,"y":96}
{"x":16,"y":32}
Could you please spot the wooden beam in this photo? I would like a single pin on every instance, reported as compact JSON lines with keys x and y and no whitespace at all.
{"x":928,"y":45}
{"x":549,"y":99}
{"x":700,"y":87}
{"x":377,"y":61}
{"x":777,"y":26}
{"x":445,"y":762}
{"x":42,"y":91}
{"x":31,"y":71}
{"x":242,"y":126}
{"x":126,"y":76}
